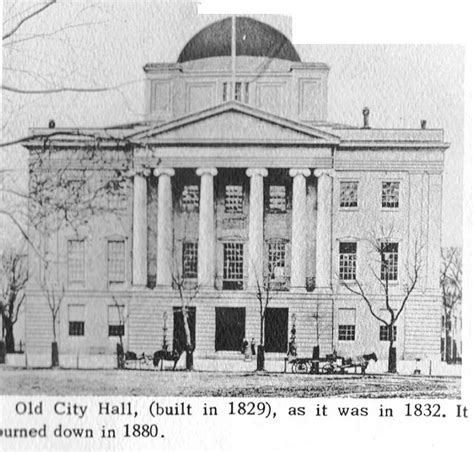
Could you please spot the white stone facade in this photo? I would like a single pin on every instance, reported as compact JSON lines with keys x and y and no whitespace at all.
{"x":275,"y":134}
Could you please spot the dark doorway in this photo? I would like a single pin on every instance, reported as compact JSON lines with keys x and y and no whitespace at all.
{"x":276,"y":330}
{"x":179,"y":333}
{"x":230,"y":328}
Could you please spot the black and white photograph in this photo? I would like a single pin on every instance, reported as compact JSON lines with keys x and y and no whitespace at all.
{"x":201,"y":206}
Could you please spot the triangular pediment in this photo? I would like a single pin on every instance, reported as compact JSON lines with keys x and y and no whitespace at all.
{"x":234,"y":123}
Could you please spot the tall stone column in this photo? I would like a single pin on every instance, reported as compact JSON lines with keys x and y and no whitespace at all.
{"x":207,"y":239}
{"x":164,"y":246}
{"x":298,"y":229}
{"x":323,"y":228}
{"x":139,"y":253}
{"x":255,"y":243}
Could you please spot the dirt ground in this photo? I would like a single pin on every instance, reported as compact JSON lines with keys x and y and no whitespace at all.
{"x":224,"y":384}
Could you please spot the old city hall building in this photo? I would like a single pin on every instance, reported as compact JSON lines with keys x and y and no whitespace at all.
{"x":238,"y":180}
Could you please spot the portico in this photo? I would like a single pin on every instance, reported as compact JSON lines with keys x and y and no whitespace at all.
{"x":251,"y":220}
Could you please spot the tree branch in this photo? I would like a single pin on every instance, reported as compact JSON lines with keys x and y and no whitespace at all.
{"x":27,"y":18}
{"x":361,"y":293}
{"x":65,"y":89}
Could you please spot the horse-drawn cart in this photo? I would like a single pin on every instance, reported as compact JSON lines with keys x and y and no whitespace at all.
{"x":331,"y":364}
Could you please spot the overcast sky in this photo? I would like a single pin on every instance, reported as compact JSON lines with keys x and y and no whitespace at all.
{"x":105,"y":44}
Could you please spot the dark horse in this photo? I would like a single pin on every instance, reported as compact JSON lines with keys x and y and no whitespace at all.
{"x":165,"y":355}
{"x":362,"y":361}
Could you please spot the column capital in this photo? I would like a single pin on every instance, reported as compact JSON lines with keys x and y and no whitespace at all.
{"x":300,"y":172}
{"x":325,"y":172}
{"x":166,"y":171}
{"x":144,"y":172}
{"x":210,"y":171}
{"x":256,"y":172}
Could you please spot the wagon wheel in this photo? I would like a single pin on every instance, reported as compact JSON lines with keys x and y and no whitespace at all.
{"x":300,"y":368}
{"x":328,"y":368}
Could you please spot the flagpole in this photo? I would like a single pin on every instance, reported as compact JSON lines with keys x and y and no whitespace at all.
{"x":233,"y":57}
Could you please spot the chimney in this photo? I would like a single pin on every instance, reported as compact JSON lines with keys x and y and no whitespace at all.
{"x":423,"y":124}
{"x":366,"y":113}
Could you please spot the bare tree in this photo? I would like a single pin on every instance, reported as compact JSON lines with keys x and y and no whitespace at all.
{"x":67,"y":189}
{"x":14,"y":276}
{"x":120,"y":331}
{"x":54,"y":292}
{"x":451,"y":287}
{"x":186,"y":295}
{"x":72,"y":173}
{"x":264,"y":296}
{"x":385,"y":257}
{"x":265,"y":289}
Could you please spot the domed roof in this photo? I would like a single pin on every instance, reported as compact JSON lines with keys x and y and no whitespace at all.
{"x":253,"y":38}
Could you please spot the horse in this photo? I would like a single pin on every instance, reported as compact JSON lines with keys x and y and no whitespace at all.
{"x":361,"y":361}
{"x":165,"y":355}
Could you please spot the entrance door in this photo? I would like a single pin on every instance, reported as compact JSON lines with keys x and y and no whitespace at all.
{"x":230,"y":328}
{"x":276,"y":330}
{"x":179,"y":333}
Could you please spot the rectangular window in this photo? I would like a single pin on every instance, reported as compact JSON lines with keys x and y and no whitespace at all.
{"x":346,"y":324}
{"x":116,"y":260}
{"x":116,"y":199}
{"x":390,"y":195}
{"x":234,"y":198}
{"x":75,"y":187}
{"x":277,"y":260}
{"x":116,"y":320}
{"x":190,"y":198}
{"x":389,"y":264}
{"x":75,"y":261}
{"x":348,"y":194}
{"x":190,"y":259}
{"x":241,"y":91}
{"x":277,"y":198}
{"x":384,"y":333}
{"x":76,"y":314}
{"x":230,"y":329}
{"x":225,"y":91}
{"x":233,"y":266}
{"x":347,"y":260}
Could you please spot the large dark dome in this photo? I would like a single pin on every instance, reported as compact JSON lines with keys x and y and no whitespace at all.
{"x":253,"y":38}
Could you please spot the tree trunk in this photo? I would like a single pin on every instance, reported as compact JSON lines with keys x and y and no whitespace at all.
{"x":3,"y":352}
{"x":189,"y":360}
{"x":189,"y":344}
{"x":260,"y":358}
{"x":54,"y":355}
{"x":392,"y":359}
{"x":120,"y":357}
{"x":9,"y":338}
{"x":315,"y":365}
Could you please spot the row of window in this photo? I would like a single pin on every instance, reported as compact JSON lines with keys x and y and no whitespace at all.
{"x":230,"y":325}
{"x":233,"y":269}
{"x":348,"y":333}
{"x":276,"y":197}
{"x":348,"y":261}
{"x":349,"y":194}
{"x":347,"y":326}
{"x":115,"y":261}
{"x":277,"y":201}
{"x":115,"y":320}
